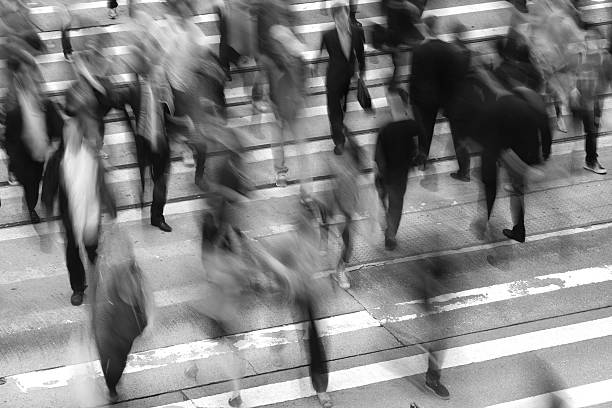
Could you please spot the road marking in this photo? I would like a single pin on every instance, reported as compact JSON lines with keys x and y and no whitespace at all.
{"x":408,"y":366}
{"x":267,"y":338}
{"x":582,"y":396}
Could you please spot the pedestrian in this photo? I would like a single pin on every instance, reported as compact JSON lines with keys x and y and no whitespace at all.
{"x":32,"y":121}
{"x":151,"y":101}
{"x":394,"y":155}
{"x":593,"y":78}
{"x":112,"y":9}
{"x":75,"y":175}
{"x":122,"y":307}
{"x":344,"y":44}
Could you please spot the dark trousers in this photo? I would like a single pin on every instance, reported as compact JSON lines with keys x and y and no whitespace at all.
{"x":489,"y":177}
{"x":460,"y":130}
{"x":425,"y":115}
{"x":391,"y":193}
{"x":74,"y":264}
{"x":336,"y":107}
{"x":588,"y":116}
{"x":111,"y":4}
{"x":29,"y":174}
{"x":317,"y":360}
{"x":159,"y":163}
{"x":66,"y":44}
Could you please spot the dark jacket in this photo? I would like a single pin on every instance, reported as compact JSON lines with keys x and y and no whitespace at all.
{"x":15,"y":148}
{"x":339,"y":69}
{"x":396,"y":149}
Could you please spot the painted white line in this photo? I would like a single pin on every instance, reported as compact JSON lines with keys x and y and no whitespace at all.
{"x":274,"y":336}
{"x":469,"y":8}
{"x":505,"y":291}
{"x":404,"y":367}
{"x":582,"y":396}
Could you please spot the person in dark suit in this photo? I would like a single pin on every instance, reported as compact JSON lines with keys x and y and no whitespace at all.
{"x":394,"y":156}
{"x":344,"y":44}
{"x":437,"y":68}
{"x":32,"y":121}
{"x":150,"y":99}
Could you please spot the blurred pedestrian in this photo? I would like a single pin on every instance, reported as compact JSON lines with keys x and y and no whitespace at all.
{"x":151,"y":101}
{"x":394,"y":156}
{"x":112,"y":9}
{"x":75,"y":175}
{"x":344,"y":44}
{"x":122,"y":307}
{"x":32,"y":121}
{"x":594,"y":72}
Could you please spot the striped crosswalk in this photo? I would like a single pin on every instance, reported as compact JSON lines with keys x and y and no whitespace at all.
{"x":501,"y":308}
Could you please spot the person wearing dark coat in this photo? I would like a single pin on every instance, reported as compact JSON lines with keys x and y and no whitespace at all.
{"x":515,"y":130}
{"x":437,"y":66}
{"x":344,"y":44}
{"x":150,"y":99}
{"x":32,"y":121}
{"x":394,"y":156}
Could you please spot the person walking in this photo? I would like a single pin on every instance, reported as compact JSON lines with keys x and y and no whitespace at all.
{"x":394,"y":155}
{"x":344,"y":44}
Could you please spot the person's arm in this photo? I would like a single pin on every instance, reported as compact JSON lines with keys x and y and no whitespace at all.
{"x":359,"y":51}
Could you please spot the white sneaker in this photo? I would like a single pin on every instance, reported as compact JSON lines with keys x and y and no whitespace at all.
{"x":595,"y":167}
{"x":188,"y":158}
{"x":281,"y":179}
{"x":12,"y":180}
{"x":112,"y":13}
{"x":341,"y":277}
{"x":561,"y":124}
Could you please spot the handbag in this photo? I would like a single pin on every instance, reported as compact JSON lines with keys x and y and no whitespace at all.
{"x":363,"y":96}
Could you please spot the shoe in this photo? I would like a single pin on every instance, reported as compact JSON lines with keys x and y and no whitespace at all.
{"x":340,"y":276}
{"x":188,"y":158}
{"x":325,"y":400}
{"x":34,"y":217}
{"x":390,"y":244}
{"x":77,"y":299}
{"x":235,"y":401}
{"x":438,"y":389}
{"x":12,"y":180}
{"x":516,"y":233}
{"x":113,"y":397}
{"x":561,"y":124}
{"x":161,"y":224}
{"x":281,"y":180}
{"x":339,"y":149}
{"x":112,"y":13}
{"x":595,"y":167}
{"x":68,"y":58}
{"x":460,"y":177}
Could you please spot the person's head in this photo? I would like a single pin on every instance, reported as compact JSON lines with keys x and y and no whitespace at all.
{"x":340,"y":14}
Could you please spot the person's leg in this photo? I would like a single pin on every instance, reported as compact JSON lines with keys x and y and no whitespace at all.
{"x":395,"y":191}
{"x":30,"y":179}
{"x":459,"y":131}
{"x":278,"y":154}
{"x":76,"y":271}
{"x":336,"y":116}
{"x":590,"y":138}
{"x":425,"y":115}
{"x":160,"y":162}
{"x":66,"y":44}
{"x":112,"y":8}
{"x":201,"y":149}
{"x":517,"y":209}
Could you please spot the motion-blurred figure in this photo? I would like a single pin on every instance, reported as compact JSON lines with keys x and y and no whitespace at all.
{"x":32,"y":121}
{"x":151,"y":102}
{"x":346,"y":196}
{"x":287,"y":94}
{"x":76,"y":174}
{"x":394,"y":156}
{"x":122,"y":306}
{"x":344,"y":44}
{"x":594,"y":72}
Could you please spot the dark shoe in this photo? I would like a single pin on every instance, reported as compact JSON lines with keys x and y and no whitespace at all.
{"x":390,"y":244}
{"x":34,"y":217}
{"x":161,"y":224}
{"x":339,"y":149}
{"x":235,"y":401}
{"x":77,"y":298}
{"x":113,"y":397}
{"x":460,"y":177}
{"x":438,"y":389}
{"x":516,"y":233}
